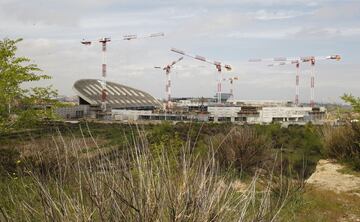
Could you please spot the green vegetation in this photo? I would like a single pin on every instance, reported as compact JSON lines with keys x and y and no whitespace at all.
{"x":63,"y":162}
{"x":19,"y":107}
{"x":353,"y":101}
{"x":322,"y":205}
{"x":343,"y":142}
{"x":243,"y":148}
{"x":50,"y":160}
{"x":8,"y":161}
{"x":301,"y":146}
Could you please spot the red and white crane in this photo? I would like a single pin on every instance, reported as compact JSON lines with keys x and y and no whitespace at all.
{"x":217,"y":64}
{"x":297,"y":79}
{"x":312,"y":60}
{"x":167,"y":69}
{"x":297,"y":61}
{"x":104,"y":42}
{"x":231,"y":81}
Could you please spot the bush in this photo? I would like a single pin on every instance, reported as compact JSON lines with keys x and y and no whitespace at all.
{"x":343,"y":143}
{"x":244,"y":149}
{"x":300,"y":147}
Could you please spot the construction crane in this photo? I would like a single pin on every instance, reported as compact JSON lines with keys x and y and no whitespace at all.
{"x":297,"y":60}
{"x":218,"y":66}
{"x":167,"y":69}
{"x":312,"y":60}
{"x":104,"y":42}
{"x":231,"y":81}
{"x":297,"y":79}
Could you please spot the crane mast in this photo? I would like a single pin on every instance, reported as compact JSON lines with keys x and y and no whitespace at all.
{"x":167,"y":69}
{"x":231,"y":81}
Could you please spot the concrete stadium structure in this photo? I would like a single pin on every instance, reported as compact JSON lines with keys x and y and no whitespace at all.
{"x":119,"y":97}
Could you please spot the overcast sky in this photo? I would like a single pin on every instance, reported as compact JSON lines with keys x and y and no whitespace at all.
{"x":229,"y":31}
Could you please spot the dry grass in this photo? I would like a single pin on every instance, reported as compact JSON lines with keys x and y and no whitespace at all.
{"x":136,"y":185}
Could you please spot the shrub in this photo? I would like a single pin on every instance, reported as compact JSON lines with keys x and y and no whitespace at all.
{"x":300,"y":147}
{"x":343,"y":143}
{"x":244,"y":149}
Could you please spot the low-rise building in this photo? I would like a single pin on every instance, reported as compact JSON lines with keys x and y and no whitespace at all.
{"x":73,"y":112}
{"x":256,"y":114}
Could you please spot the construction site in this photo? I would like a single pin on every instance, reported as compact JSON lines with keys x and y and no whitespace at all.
{"x":206,"y":110}
{"x":104,"y":100}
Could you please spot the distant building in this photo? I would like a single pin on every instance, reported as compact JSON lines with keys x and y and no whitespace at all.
{"x":263,"y":114}
{"x":119,"y":97}
{"x":73,"y":112}
{"x":224,"y":96}
{"x":267,"y":103}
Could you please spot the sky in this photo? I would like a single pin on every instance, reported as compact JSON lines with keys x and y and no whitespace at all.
{"x":229,"y":31}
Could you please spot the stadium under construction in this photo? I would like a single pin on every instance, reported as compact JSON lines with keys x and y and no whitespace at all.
{"x":125,"y":103}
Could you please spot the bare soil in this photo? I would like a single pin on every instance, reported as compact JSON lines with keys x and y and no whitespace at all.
{"x":328,"y":177}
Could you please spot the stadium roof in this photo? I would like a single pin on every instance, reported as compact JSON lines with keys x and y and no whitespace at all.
{"x":118,"y":97}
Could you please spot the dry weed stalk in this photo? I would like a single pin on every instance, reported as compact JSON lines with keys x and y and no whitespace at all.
{"x":138,"y":185}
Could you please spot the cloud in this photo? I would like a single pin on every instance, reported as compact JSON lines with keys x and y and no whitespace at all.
{"x":325,"y":33}
{"x":33,"y":12}
{"x":298,"y":32}
{"x":264,"y":34}
{"x":316,"y":33}
{"x":342,"y":11}
{"x":277,"y":14}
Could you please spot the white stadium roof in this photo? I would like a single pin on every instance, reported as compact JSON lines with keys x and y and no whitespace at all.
{"x":118,"y":96}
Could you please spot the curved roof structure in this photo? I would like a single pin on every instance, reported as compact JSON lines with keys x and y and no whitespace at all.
{"x":118,"y":96}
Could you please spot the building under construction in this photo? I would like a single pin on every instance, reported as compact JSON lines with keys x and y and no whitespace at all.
{"x":125,"y":103}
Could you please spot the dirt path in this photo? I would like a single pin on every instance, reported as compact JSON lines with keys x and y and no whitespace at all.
{"x":328,"y":177}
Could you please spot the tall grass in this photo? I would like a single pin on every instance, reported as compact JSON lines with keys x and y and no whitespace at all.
{"x":343,"y":143}
{"x":135,"y":184}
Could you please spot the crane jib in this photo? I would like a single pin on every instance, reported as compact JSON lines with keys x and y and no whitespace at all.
{"x":178,"y":51}
{"x":200,"y":58}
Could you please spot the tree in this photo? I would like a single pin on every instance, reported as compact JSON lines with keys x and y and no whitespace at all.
{"x":353,"y":101}
{"x":17,"y":102}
